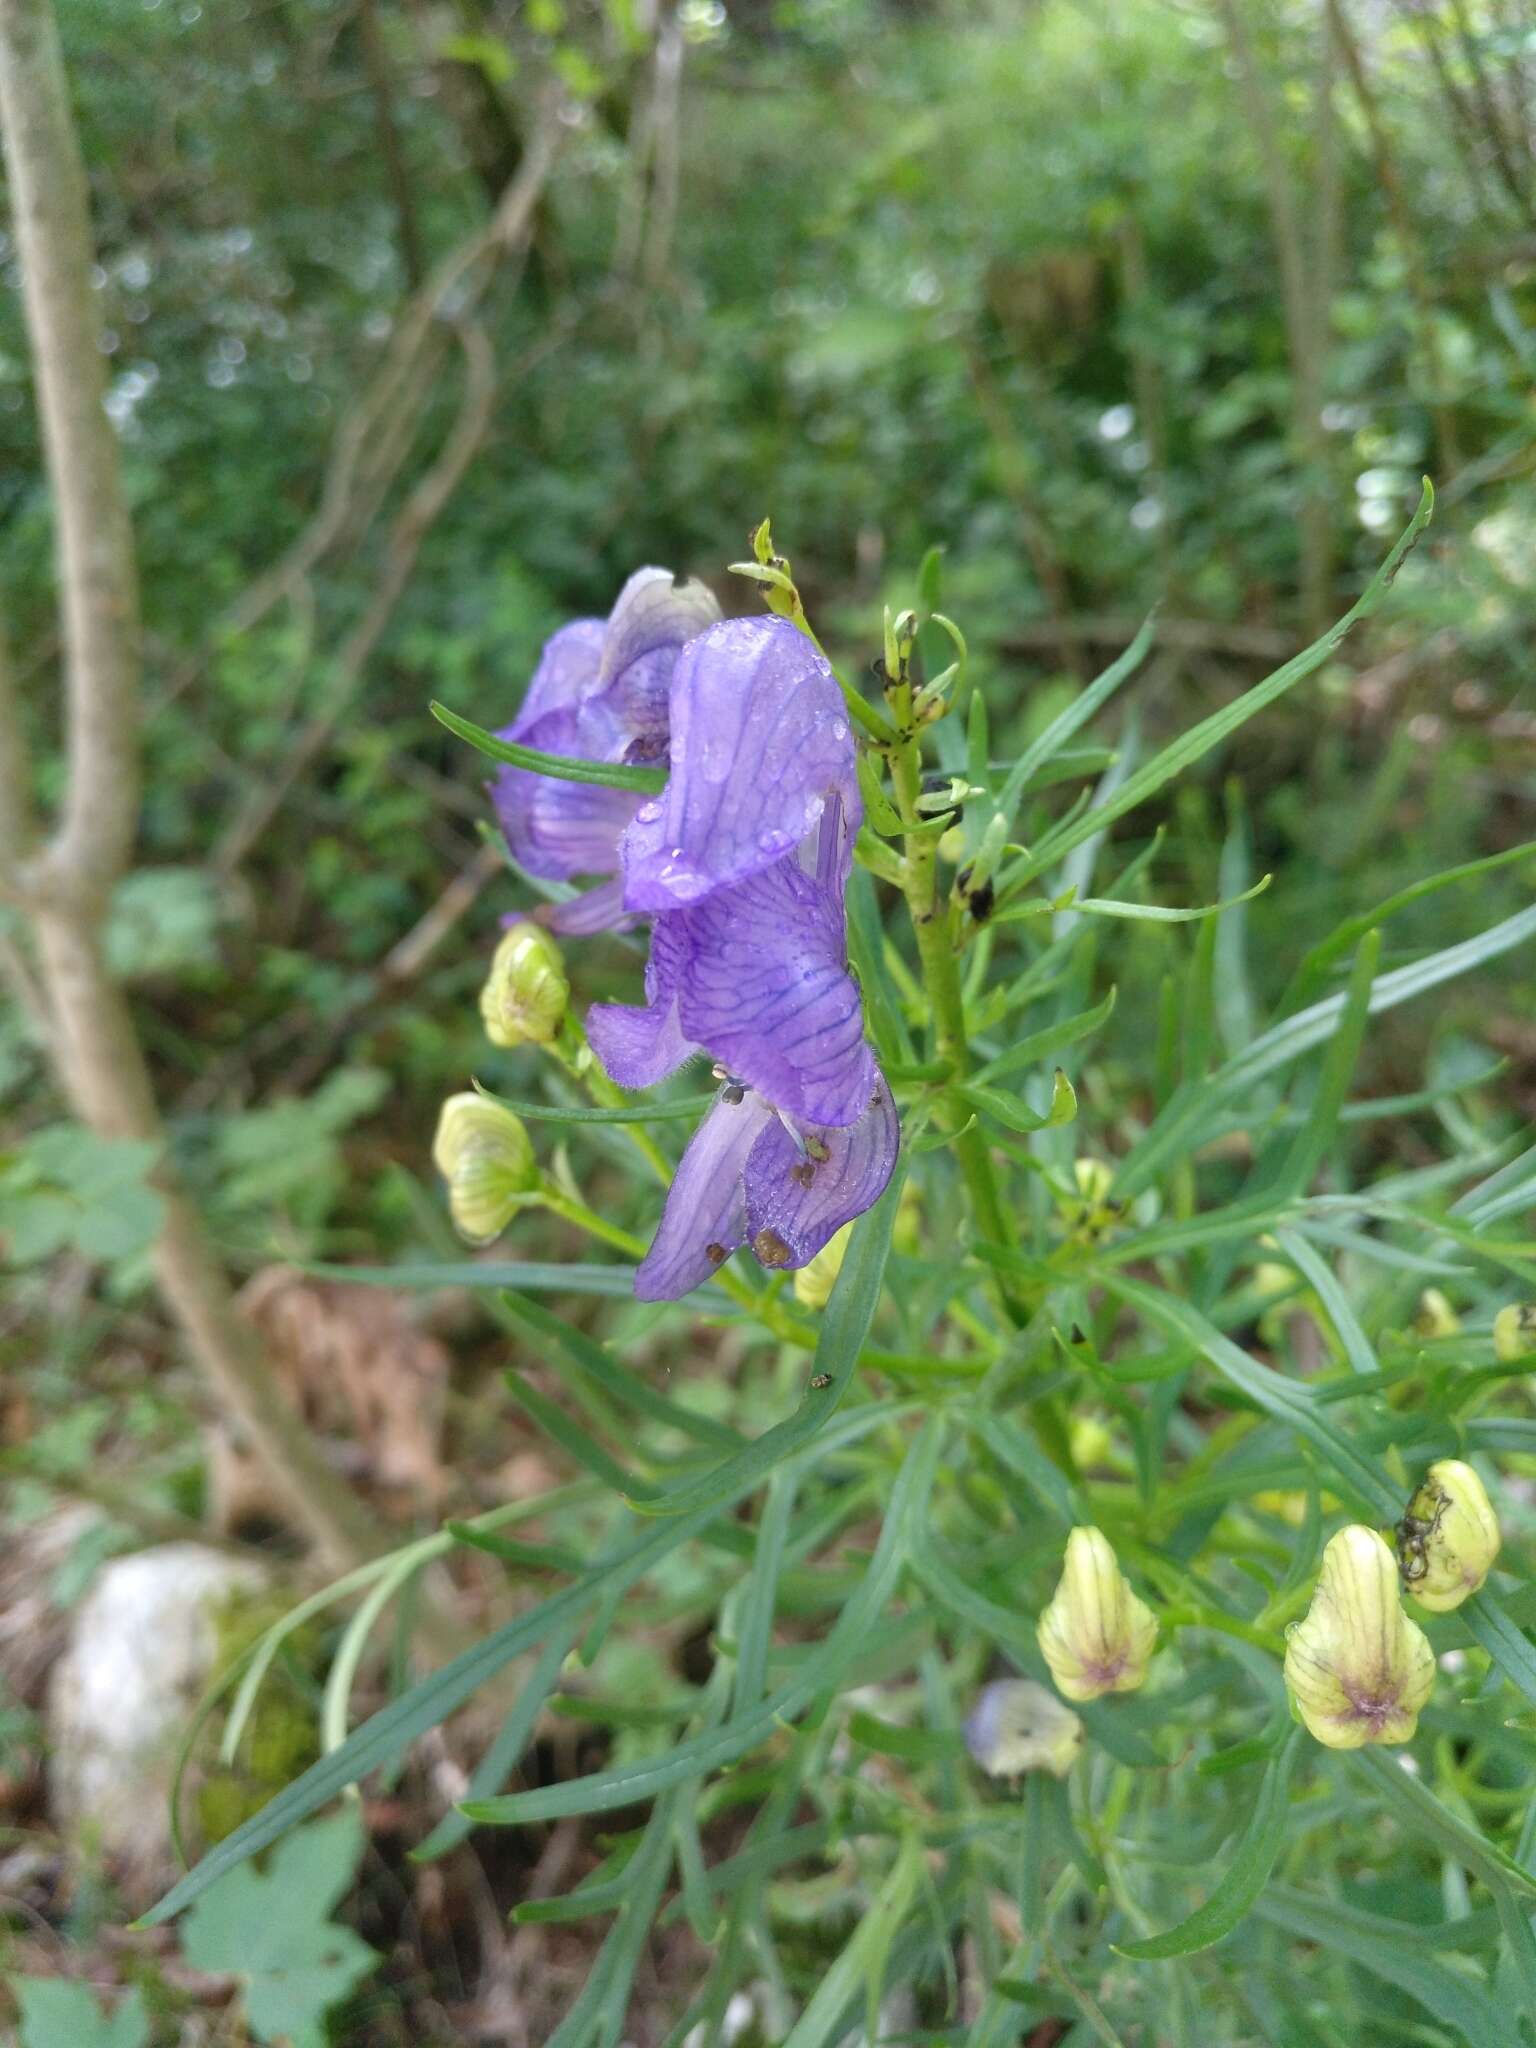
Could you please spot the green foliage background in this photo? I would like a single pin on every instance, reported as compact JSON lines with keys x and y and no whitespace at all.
{"x":1001,"y":279}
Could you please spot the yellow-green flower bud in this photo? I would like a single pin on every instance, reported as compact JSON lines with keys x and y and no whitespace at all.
{"x":1095,"y":1178}
{"x":484,"y":1154}
{"x":1449,"y":1538}
{"x":526,"y":993}
{"x":1436,"y":1317}
{"x":1018,"y":1726}
{"x":1514,"y":1331}
{"x":1357,"y":1669}
{"x":813,"y":1281}
{"x":1096,"y":1635}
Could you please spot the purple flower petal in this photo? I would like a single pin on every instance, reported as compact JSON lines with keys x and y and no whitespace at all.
{"x":595,"y":910}
{"x":705,"y":1218}
{"x":654,"y":616}
{"x":796,"y":1203}
{"x":640,"y":1047}
{"x":563,"y":829}
{"x":600,"y":692}
{"x":567,"y":671}
{"x":759,"y":744}
{"x":764,"y":986}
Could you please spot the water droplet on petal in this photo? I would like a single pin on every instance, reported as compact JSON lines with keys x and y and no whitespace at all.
{"x":839,"y":731}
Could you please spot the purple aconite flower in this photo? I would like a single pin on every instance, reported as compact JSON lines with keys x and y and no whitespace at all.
{"x":601,"y":692}
{"x":752,"y":1176}
{"x":742,"y":863}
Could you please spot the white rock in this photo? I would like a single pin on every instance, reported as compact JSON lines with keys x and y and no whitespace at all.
{"x":140,"y":1651}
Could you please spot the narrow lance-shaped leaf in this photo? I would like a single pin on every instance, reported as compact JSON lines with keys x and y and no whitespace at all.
{"x":562,"y":767}
{"x":844,"y":1326}
{"x":1190,"y":746}
{"x":1246,"y":1875}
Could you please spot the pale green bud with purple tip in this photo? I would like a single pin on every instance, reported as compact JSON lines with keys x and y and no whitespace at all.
{"x":1096,"y":1635}
{"x":1357,"y":1669}
{"x":1017,"y":1726}
{"x":1514,"y":1331}
{"x":1448,"y":1538}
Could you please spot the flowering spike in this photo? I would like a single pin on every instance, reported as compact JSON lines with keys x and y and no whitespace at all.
{"x":1514,"y":1331}
{"x":525,"y":995}
{"x":1449,"y":1537}
{"x":1096,"y":1635}
{"x":484,"y":1154}
{"x":1018,"y":1726}
{"x":1357,"y":1669}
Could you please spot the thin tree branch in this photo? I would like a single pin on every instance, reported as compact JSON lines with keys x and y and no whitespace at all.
{"x":18,"y":820}
{"x":1305,"y":321}
{"x":1406,"y":230}
{"x":99,"y":612}
{"x":381,"y":84}
{"x":93,"y":1043}
{"x":420,"y":512}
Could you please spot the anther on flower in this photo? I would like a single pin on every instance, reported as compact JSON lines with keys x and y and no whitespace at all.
{"x":525,"y":995}
{"x":484,"y":1154}
{"x":1357,"y":1669}
{"x":1448,"y":1538}
{"x":1514,"y":1331}
{"x":1096,"y":1635}
{"x":1017,"y":1726}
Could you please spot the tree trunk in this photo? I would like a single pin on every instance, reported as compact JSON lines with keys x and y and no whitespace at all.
{"x":64,"y":889}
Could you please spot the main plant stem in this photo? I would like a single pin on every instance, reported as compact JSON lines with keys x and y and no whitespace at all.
{"x":933,"y":922}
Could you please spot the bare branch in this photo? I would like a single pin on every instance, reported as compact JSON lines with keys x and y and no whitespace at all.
{"x":18,"y":824}
{"x":421,"y":510}
{"x":92,"y":1042}
{"x":98,"y":595}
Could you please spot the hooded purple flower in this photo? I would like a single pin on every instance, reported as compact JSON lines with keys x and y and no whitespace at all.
{"x":742,"y":863}
{"x":601,"y":693}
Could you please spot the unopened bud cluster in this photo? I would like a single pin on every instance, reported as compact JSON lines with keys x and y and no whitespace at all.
{"x":1514,"y":1331}
{"x":1358,"y":1669}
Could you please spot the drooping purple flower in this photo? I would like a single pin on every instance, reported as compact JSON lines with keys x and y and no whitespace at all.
{"x":760,"y":745}
{"x":601,"y":692}
{"x":750,"y":1176}
{"x":742,"y":863}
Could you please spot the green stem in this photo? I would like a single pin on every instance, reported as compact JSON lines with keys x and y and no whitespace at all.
{"x":933,"y":922}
